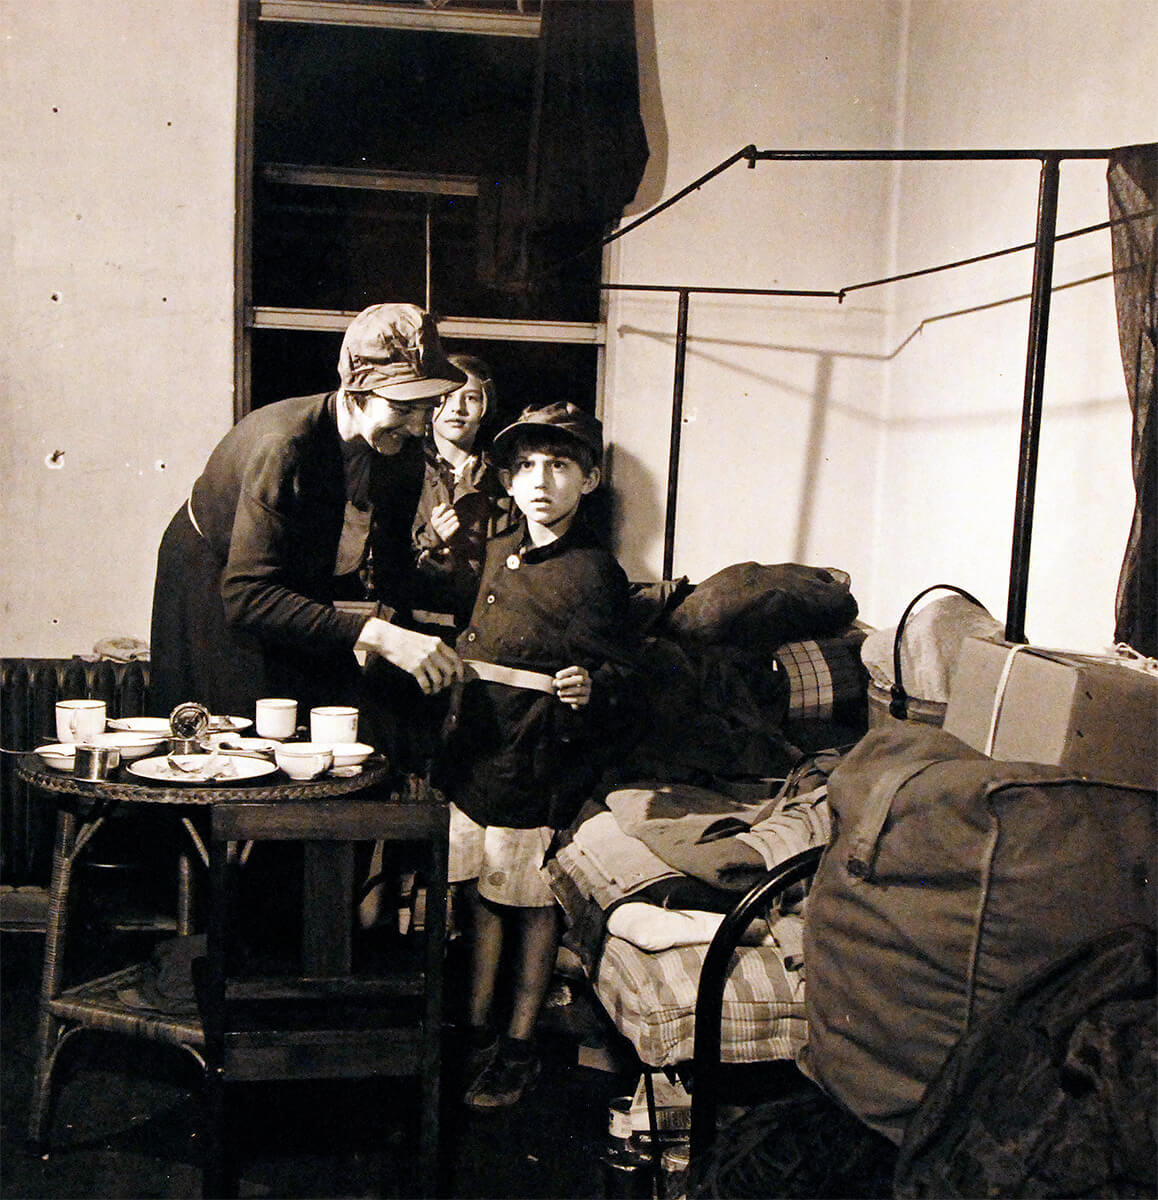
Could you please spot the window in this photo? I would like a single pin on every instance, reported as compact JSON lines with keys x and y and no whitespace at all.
{"x":368,"y":130}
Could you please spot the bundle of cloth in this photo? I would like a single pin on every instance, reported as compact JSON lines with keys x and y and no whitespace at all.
{"x":719,"y":697}
{"x":659,"y":864}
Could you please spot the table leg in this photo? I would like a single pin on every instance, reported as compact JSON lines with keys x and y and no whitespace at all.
{"x":48,"y":1026}
{"x":184,"y":895}
{"x":327,"y":907}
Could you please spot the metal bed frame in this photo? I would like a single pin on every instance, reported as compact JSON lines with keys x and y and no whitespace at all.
{"x":1039,"y":310}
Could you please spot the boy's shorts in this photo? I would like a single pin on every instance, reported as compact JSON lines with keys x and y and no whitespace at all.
{"x":505,"y":861}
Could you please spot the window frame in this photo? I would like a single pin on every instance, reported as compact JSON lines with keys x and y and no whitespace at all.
{"x":435,"y":17}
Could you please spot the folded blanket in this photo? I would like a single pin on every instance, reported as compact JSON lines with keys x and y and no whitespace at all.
{"x":715,"y":838}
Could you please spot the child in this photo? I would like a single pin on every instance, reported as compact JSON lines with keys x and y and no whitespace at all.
{"x":552,"y":601}
{"x":462,"y":503}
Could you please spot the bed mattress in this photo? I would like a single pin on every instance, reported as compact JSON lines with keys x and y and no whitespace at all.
{"x":651,"y":997}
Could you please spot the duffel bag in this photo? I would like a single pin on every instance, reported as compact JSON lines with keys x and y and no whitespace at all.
{"x":949,"y":878}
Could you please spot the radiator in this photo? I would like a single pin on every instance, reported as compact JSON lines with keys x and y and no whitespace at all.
{"x":29,"y":690}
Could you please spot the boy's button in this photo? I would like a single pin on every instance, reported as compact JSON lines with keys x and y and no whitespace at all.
{"x":491,"y":598}
{"x":472,"y":636}
{"x":513,"y":561}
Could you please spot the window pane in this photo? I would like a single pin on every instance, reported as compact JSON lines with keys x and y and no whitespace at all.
{"x":398,"y":99}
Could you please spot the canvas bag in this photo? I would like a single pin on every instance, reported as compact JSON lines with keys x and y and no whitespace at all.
{"x":949,"y":878}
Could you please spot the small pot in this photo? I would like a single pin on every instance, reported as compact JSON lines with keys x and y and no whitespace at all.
{"x":95,"y":762}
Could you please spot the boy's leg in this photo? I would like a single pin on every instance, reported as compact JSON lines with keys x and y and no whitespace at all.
{"x":538,"y":948}
{"x":486,"y":951}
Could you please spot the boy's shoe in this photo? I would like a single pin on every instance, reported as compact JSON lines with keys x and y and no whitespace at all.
{"x":503,"y":1080}
{"x":480,"y":1052}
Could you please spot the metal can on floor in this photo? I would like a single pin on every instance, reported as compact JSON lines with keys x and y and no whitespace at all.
{"x":674,"y":1171}
{"x":625,"y":1175}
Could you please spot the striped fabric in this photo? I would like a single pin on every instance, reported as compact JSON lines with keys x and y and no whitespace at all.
{"x":651,"y":997}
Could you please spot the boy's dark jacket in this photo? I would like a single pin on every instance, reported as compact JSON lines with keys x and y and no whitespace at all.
{"x":520,"y":758}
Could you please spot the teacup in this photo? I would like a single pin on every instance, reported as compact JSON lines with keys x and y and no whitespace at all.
{"x":77,"y":720}
{"x":334,"y":723}
{"x":303,"y":760}
{"x":276,"y":718}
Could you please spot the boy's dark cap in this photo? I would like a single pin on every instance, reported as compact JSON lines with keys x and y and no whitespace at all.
{"x":559,"y":417}
{"x":394,"y":350}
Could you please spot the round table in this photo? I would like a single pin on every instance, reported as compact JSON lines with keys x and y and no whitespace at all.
{"x":82,"y":808}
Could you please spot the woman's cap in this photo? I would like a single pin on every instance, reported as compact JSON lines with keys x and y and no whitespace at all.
{"x":394,"y":350}
{"x":560,"y":417}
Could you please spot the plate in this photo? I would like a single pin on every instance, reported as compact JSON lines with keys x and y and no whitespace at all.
{"x":158,"y":770}
{"x":227,"y":724}
{"x":161,"y":724}
{"x":254,"y":745}
{"x":141,"y":725}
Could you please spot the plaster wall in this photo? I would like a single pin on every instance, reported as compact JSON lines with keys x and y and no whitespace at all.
{"x":116,"y":298}
{"x":1011,"y":73}
{"x":881,"y":434}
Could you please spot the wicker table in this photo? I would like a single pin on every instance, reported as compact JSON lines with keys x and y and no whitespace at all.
{"x":82,"y":807}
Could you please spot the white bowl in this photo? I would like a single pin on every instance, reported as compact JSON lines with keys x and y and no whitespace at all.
{"x":304,"y":760}
{"x":131,"y":745}
{"x":351,"y":754}
{"x":57,"y":755}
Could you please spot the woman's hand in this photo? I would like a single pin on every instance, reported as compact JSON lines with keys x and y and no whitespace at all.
{"x":573,"y":686}
{"x":433,"y":663}
{"x":444,"y":521}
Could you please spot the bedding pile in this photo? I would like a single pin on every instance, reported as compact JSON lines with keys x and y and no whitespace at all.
{"x":750,"y":676}
{"x":746,"y":672}
{"x":644,"y":880}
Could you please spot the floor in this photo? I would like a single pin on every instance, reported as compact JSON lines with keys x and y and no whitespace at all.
{"x":127,"y":1113}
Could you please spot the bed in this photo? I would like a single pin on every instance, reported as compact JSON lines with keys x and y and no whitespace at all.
{"x":756,"y":682}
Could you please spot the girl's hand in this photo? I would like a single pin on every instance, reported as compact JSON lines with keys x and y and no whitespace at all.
{"x":444,"y":521}
{"x":573,"y":686}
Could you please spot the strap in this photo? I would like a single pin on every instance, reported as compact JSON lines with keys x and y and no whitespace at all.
{"x":192,"y":518}
{"x":899,"y":706}
{"x":511,"y":676}
{"x":863,"y":842}
{"x":999,"y":697}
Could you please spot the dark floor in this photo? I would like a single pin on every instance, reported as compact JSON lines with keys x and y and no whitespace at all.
{"x":127,"y":1113}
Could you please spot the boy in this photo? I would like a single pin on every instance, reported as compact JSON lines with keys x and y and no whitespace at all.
{"x":525,"y":752}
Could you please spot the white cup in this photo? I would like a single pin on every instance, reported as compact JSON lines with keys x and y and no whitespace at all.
{"x":303,"y":760}
{"x":276,"y":718}
{"x":334,"y":723}
{"x":78,"y":720}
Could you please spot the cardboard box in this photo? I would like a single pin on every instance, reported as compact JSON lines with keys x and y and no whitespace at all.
{"x":1094,"y":717}
{"x":673,"y":1104}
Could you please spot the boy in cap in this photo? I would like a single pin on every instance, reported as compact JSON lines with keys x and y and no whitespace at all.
{"x":548,"y":656}
{"x":279,"y":525}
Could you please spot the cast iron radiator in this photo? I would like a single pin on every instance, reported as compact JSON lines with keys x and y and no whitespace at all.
{"x":29,"y":690}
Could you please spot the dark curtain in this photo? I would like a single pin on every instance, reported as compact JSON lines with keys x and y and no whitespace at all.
{"x":587,"y":147}
{"x":1133,"y":189}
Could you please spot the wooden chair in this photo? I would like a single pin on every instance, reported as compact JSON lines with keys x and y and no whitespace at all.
{"x":331,"y":1015}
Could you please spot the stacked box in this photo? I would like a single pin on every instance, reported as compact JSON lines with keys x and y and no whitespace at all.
{"x":1095,"y":717}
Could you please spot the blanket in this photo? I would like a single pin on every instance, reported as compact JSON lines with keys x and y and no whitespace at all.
{"x":683,"y":847}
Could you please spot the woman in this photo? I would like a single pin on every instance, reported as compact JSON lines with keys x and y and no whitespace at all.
{"x":299,"y":499}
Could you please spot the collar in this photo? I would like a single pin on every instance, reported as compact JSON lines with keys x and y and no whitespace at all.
{"x":579,"y":534}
